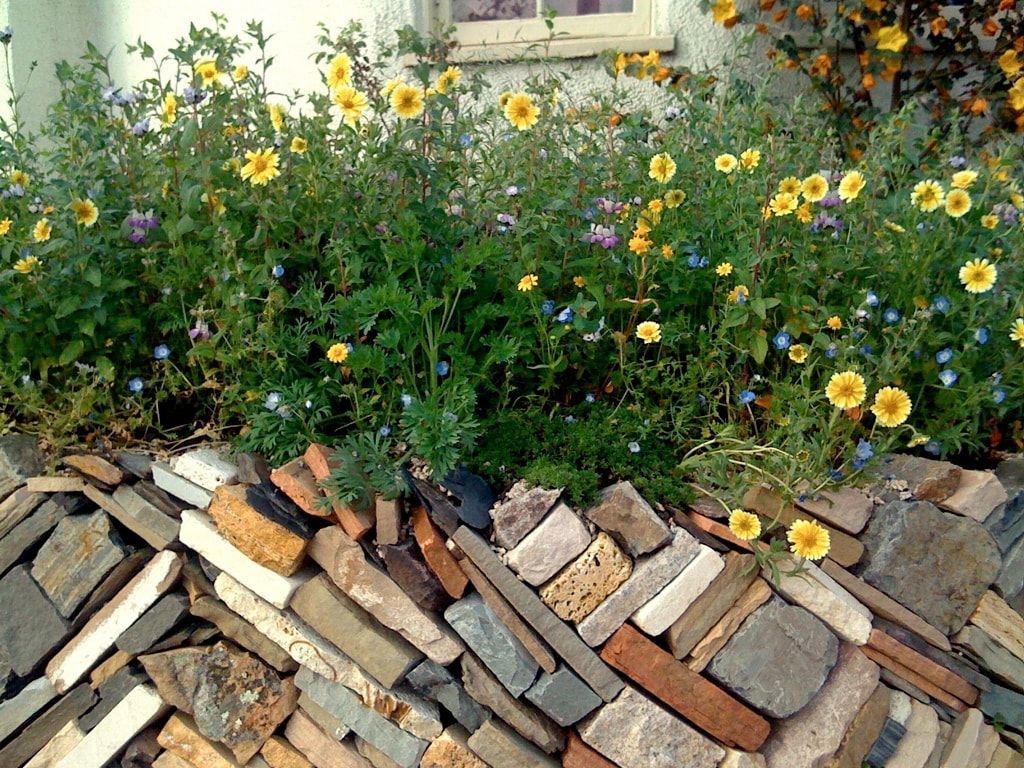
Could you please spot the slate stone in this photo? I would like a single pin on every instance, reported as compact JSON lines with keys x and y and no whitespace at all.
{"x":563,"y":697}
{"x":138,"y":464}
{"x":492,"y":641}
{"x":17,"y":507}
{"x":437,"y":504}
{"x":154,"y":623}
{"x":20,"y":459}
{"x":253,"y":469}
{"x":1011,"y":474}
{"x":935,"y":563}
{"x":37,"y":735}
{"x":999,"y":662}
{"x":269,"y":501}
{"x":778,"y":659}
{"x":16,"y":711}
{"x":1010,"y":581}
{"x":437,"y":684}
{"x":234,"y":697}
{"x":475,"y":495}
{"x":76,"y":557}
{"x":31,"y":627}
{"x":414,"y":577}
{"x":629,"y":519}
{"x":145,"y":519}
{"x":159,"y":498}
{"x":926,"y":479}
{"x":1003,"y":705}
{"x":886,"y":744}
{"x":29,"y":531}
{"x":114,"y":581}
{"x":956,"y":664}
{"x":498,"y":746}
{"x":113,"y":689}
{"x":520,"y":512}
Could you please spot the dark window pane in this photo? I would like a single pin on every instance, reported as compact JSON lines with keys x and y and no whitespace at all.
{"x":493,"y":10}
{"x":587,"y":7}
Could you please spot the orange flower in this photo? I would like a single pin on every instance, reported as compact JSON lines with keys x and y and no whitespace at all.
{"x":780,"y":16}
{"x":868,"y":81}
{"x":939,"y":25}
{"x":822,"y":65}
{"x":979,"y":106}
{"x":990,"y":28}
{"x":804,"y":12}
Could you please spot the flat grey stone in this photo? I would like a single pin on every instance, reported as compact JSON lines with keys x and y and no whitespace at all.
{"x":1006,"y":523}
{"x":1011,"y":474}
{"x":154,"y":623}
{"x":16,"y":711}
{"x":1010,"y":581}
{"x":436,"y":683}
{"x":401,"y":746}
{"x":926,"y":479}
{"x":1003,"y":705}
{"x":499,"y":747}
{"x":563,"y":697}
{"x":112,"y":583}
{"x":556,"y":540}
{"x":76,"y":557}
{"x":29,"y":531}
{"x":113,"y":689}
{"x":138,"y":464}
{"x":935,"y":563}
{"x":17,"y":507}
{"x":778,"y":659}
{"x":999,"y":662}
{"x":493,"y":642}
{"x":623,"y":514}
{"x":519,"y":513}
{"x":31,"y":627}
{"x":179,"y":487}
{"x":20,"y":459}
{"x":327,"y":722}
{"x":139,"y":515}
{"x":38,"y":733}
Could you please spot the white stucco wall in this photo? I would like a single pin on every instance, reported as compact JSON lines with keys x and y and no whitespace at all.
{"x":47,"y":31}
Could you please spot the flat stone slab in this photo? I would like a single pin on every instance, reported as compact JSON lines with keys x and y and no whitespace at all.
{"x":205,"y":467}
{"x":435,"y":553}
{"x":451,"y":750}
{"x":778,"y":659}
{"x":662,"y":610}
{"x":138,"y":515}
{"x":926,"y":479}
{"x":16,"y":711}
{"x":634,"y":732}
{"x":1000,"y":622}
{"x":918,"y":742}
{"x":585,"y":583}
{"x":998,"y":662}
{"x":254,"y":531}
{"x":519,"y":512}
{"x":31,"y":627}
{"x":437,"y":684}
{"x":757,"y":594}
{"x":312,"y":742}
{"x":166,"y":479}
{"x":235,"y":628}
{"x":864,"y":731}
{"x":95,"y":469}
{"x":30,"y":530}
{"x":978,"y":494}
{"x":848,"y":509}
{"x":493,"y":642}
{"x":20,"y":459}
{"x":1006,"y":523}
{"x":651,"y":574}
{"x":563,"y":697}
{"x":17,"y":507}
{"x":935,"y":563}
{"x":408,"y":570}
{"x":38,"y":733}
{"x":819,"y":593}
{"x":56,"y":748}
{"x":154,"y":624}
{"x":558,"y":538}
{"x":629,"y":519}
{"x":499,"y":746}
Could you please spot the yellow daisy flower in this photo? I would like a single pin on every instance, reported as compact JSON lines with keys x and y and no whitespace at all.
{"x":798,"y":353}
{"x":277,"y":115}
{"x":448,"y":79}
{"x":339,"y":71}
{"x":207,"y":70}
{"x":528,"y":282}
{"x":261,"y":167}
{"x":170,"y":108}
{"x":42,"y":230}
{"x":240,"y":73}
{"x":808,"y":539}
{"x":521,"y":111}
{"x":891,"y":406}
{"x":989,"y":221}
{"x":744,"y":525}
{"x":86,"y":212}
{"x":790,"y":185}
{"x":834,"y":322}
{"x":958,"y":202}
{"x":724,"y":11}
{"x":579,"y":281}
{"x":814,"y":187}
{"x":851,"y":186}
{"x":407,"y":101}
{"x":648,"y":332}
{"x":739,"y":294}
{"x":352,"y":103}
{"x":299,"y":145}
{"x":662,"y":167}
{"x":1017,"y":331}
{"x":963,"y":179}
{"x":724,"y":269}
{"x":667,"y":251}
{"x":978,"y":275}
{"x":804,"y":213}
{"x":674,"y":198}
{"x":783,"y":204}
{"x":927,"y":195}
{"x":750,"y":159}
{"x":726,"y":163}
{"x":26,"y":265}
{"x":338,"y":353}
{"x":19,"y":177}
{"x":639,"y":244}
{"x":5,"y":226}
{"x":846,"y":390}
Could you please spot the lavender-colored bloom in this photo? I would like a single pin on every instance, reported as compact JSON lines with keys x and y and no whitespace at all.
{"x":957,"y":162}
{"x":943,"y":356}
{"x":141,"y":128}
{"x":465,"y":141}
{"x":273,"y":400}
{"x":442,"y":368}
{"x":137,"y":236}
{"x":891,"y":315}
{"x":277,"y":271}
{"x":385,"y":430}
{"x":108,"y":93}
{"x":194,"y":95}
{"x":782,"y":340}
{"x":199,"y":331}
{"x":547,"y":307}
{"x":570,"y":419}
{"x":507,"y":219}
{"x":825,"y":221}
{"x":511,"y":190}
{"x":602,"y":235}
{"x":633,"y":446}
{"x":1007,"y":213}
{"x":609,"y":206}
{"x":948,"y":377}
{"x":941,"y":304}
{"x":135,"y":385}
{"x":565,"y":316}
{"x":125,"y":98}
{"x":747,"y":397}
{"x":831,"y":351}
{"x":998,"y":395}
{"x":16,"y":190}
{"x":871,"y":299}
{"x":161,"y":351}
{"x":981,"y":336}
{"x":830,"y":201}
{"x":934,"y":447}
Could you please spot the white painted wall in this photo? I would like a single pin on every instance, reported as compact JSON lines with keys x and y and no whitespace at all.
{"x":47,"y":31}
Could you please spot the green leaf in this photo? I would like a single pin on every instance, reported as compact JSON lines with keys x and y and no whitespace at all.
{"x":758,"y":305}
{"x":185,"y":225}
{"x":71,"y":352}
{"x":93,"y":275}
{"x":759,"y":348}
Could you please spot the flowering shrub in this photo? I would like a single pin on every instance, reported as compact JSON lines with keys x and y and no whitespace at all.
{"x":399,"y":267}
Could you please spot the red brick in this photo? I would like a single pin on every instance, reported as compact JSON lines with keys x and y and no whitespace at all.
{"x":698,"y":700}
{"x":439,"y":559}
{"x":579,"y":755}
{"x":355,"y":522}
{"x":299,"y":485}
{"x":718,"y":530}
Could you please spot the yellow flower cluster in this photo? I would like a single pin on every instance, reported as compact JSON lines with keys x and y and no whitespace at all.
{"x":847,"y":390}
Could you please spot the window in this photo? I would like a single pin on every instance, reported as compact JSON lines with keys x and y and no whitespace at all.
{"x":493,"y":29}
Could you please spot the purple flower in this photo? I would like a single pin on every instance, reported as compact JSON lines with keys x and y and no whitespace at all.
{"x":194,"y":95}
{"x":824,"y":221}
{"x":199,"y":331}
{"x":1007,"y":213}
{"x":137,"y":236}
{"x":608,"y":206}
{"x":831,"y":201}
{"x":831,"y":351}
{"x":957,"y":162}
{"x":511,"y":190}
{"x":602,"y":235}
{"x":141,"y":128}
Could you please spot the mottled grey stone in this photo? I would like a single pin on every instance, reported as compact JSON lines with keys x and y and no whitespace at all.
{"x":401,"y":746}
{"x":38,"y":733}
{"x":499,"y":747}
{"x":1011,"y":474}
{"x":29,"y":531}
{"x":30,"y":626}
{"x":76,"y":557}
{"x":493,"y":642}
{"x":563,"y":697}
{"x":14,"y":712}
{"x":999,"y":662}
{"x":926,"y":479}
{"x":434,"y":682}
{"x":1003,"y":705}
{"x":935,"y":563}
{"x":886,"y":743}
{"x":1006,"y":523}
{"x":519,"y":514}
{"x":113,"y":689}
{"x":154,"y":623}
{"x":623,"y":514}
{"x":1010,"y":581}
{"x":778,"y":658}
{"x":20,"y":459}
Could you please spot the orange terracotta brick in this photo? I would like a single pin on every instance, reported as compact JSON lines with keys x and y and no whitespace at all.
{"x":299,"y":485}
{"x":95,"y":469}
{"x":695,"y":698}
{"x":579,"y":755}
{"x":355,"y":522}
{"x":718,"y":530}
{"x":922,"y":665}
{"x":438,"y":558}
{"x":914,"y":678}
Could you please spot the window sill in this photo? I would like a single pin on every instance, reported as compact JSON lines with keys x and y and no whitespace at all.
{"x":563,"y":48}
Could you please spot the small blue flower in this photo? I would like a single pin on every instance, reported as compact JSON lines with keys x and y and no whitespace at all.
{"x":835,"y":474}
{"x":948,"y":377}
{"x":565,"y":316}
{"x":782,"y":340}
{"x":547,"y":307}
{"x":998,"y":395}
{"x":934,"y":447}
{"x":161,"y":351}
{"x":704,"y":261}
{"x":747,"y":397}
{"x":634,"y":446}
{"x":872,"y":299}
{"x":866,"y":350}
{"x":570,"y":419}
{"x":273,"y":400}
{"x":891,"y":315}
{"x":277,"y":271}
{"x":693,"y":260}
{"x":465,"y":141}
{"x":702,"y":401}
{"x":384,"y":431}
{"x":590,"y":397}
{"x":442,"y":368}
{"x":943,"y":356}
{"x":957,"y":162}
{"x":981,"y":336}
{"x":406,"y":400}
{"x":858,"y":464}
{"x":864,"y":449}
{"x":941,"y":304}
{"x":831,"y":351}
{"x":135,"y":385}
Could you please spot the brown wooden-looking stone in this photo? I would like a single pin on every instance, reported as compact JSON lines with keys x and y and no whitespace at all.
{"x":181,"y":737}
{"x":865,"y":729}
{"x":716,"y":638}
{"x":718,"y":530}
{"x":439,"y":559}
{"x":585,"y":582}
{"x":713,"y":603}
{"x":96,"y":470}
{"x":298,"y":484}
{"x":918,"y":681}
{"x":926,"y":479}
{"x":357,"y":520}
{"x":924,"y":666}
{"x":406,"y":568}
{"x":698,"y":700}
{"x":578,"y":755}
{"x":1000,"y":622}
{"x":389,"y":521}
{"x":56,"y":484}
{"x":258,"y":537}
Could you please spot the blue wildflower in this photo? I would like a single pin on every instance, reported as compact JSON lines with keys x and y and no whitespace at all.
{"x":702,"y":401}
{"x":547,"y":307}
{"x":957,"y":162}
{"x":273,"y":400}
{"x":943,"y":356}
{"x":934,"y":447}
{"x":135,"y":385}
{"x":941,"y":304}
{"x":835,"y":474}
{"x":872,"y":299}
{"x":141,"y":128}
{"x":277,"y":271}
{"x":570,"y":419}
{"x":384,"y":431}
{"x":864,"y":449}
{"x":161,"y":351}
{"x":442,"y":368}
{"x":406,"y":400}
{"x":866,"y":350}
{"x":981,"y":336}
{"x":693,"y":260}
{"x":998,"y":395}
{"x":465,"y":141}
{"x":782,"y":340}
{"x":565,"y":316}
{"x":948,"y":377}
{"x":590,"y":397}
{"x":633,"y":446}
{"x":747,"y":397}
{"x":831,"y":351}
{"x":891,"y":315}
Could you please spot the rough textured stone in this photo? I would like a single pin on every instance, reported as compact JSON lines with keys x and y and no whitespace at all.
{"x":383,"y":654}
{"x":451,"y":750}
{"x":998,"y":662}
{"x":357,"y":520}
{"x":848,"y":509}
{"x":319,"y":748}
{"x":255,"y":533}
{"x":922,"y":729}
{"x":650,"y":575}
{"x":1000,"y":622}
{"x":1006,"y":523}
{"x":563,"y":640}
{"x":926,"y":479}
{"x":141,"y":517}
{"x":233,"y":697}
{"x":578,"y":755}
{"x":235,"y":628}
{"x":299,"y":485}
{"x":280,"y":754}
{"x":501,"y":748}
{"x":30,"y":530}
{"x":635,"y":732}
{"x":1010,"y":582}
{"x":962,"y":740}
{"x":920,"y":682}
{"x":16,"y":711}
{"x":584,"y":584}
{"x":528,"y":722}
{"x":56,"y":748}
{"x":154,"y":624}
{"x":20,"y":459}
{"x":956,"y":664}
{"x":206,"y":468}
{"x":401,"y":746}
{"x":432,"y":545}
{"x":111,"y":692}
{"x":518,"y":513}
{"x":76,"y":557}
{"x":563,"y":697}
{"x":95,"y":469}
{"x":181,"y":737}
{"x":686,"y":692}
{"x":17,"y":507}
{"x":885,"y":745}
{"x":377,"y":594}
{"x":100,"y":632}
{"x":716,"y":638}
{"x":930,"y":670}
{"x":167,"y":480}
{"x":978,"y":494}
{"x":628,"y":518}
{"x":910,"y":546}
{"x":31,"y":627}
{"x":661,"y":611}
{"x":778,"y":660}
{"x":324,"y":720}
{"x":412,"y":575}
{"x":493,"y":642}
{"x":1005,"y":705}
{"x":389,"y":521}
{"x":1011,"y":473}
{"x":865,"y":729}
{"x":56,"y":484}
{"x":437,"y":684}
{"x":821,"y":595}
{"x":159,"y":498}
{"x":558,"y":538}
{"x":377,"y":758}
{"x":38,"y":733}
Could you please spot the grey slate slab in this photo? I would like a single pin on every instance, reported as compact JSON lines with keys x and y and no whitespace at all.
{"x":29,"y":531}
{"x":886,"y":743}
{"x":493,"y":642}
{"x":31,"y":627}
{"x":113,"y":689}
{"x":563,"y":697}
{"x":35,"y":736}
{"x":434,"y":682}
{"x":16,"y":711}
{"x":154,"y":623}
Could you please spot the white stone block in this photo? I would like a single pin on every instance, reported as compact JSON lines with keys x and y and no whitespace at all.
{"x":206,"y":468}
{"x":200,"y":534}
{"x":661,"y":611}
{"x":820,"y":594}
{"x":558,"y":538}
{"x":178,"y":486}
{"x":67,"y":738}
{"x":130,"y":715}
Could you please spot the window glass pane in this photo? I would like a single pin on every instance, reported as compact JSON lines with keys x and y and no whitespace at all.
{"x":494,"y":10}
{"x":587,"y":7}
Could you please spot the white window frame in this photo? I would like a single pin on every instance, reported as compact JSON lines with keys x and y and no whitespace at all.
{"x":574,"y":36}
